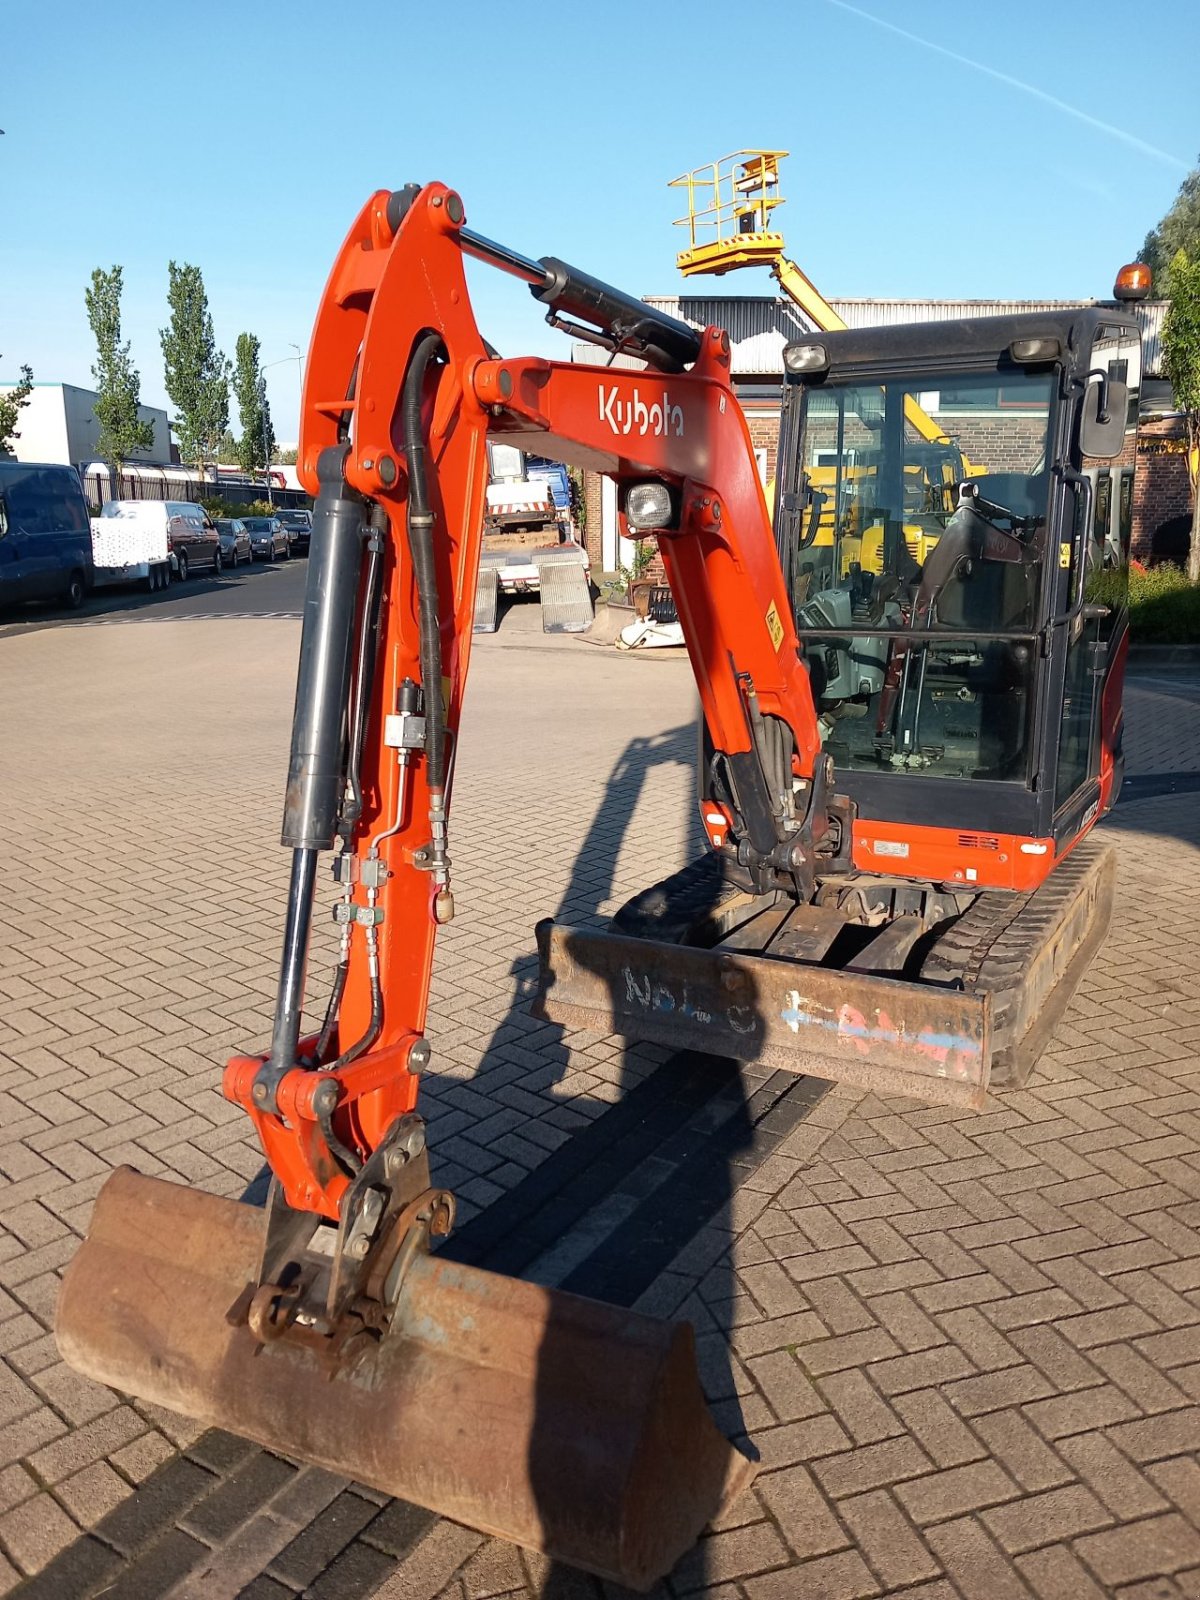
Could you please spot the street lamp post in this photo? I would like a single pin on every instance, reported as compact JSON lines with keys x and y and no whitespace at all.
{"x":298,"y":358}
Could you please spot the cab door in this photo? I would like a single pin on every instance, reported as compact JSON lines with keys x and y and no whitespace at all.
{"x":1093,"y":626}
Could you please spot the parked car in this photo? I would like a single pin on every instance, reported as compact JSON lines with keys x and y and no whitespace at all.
{"x":268,"y":538}
{"x":45,"y":535}
{"x":235,"y":541}
{"x":299,"y":528}
{"x":192,"y":538}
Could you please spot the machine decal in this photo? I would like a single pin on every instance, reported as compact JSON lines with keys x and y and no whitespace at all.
{"x":658,"y":419}
{"x":850,"y":1026}
{"x":657,"y":996}
{"x":774,"y":626}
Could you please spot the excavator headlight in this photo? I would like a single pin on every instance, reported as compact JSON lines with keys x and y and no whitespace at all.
{"x":1044,"y":347}
{"x":798,"y":358}
{"x":649,"y":506}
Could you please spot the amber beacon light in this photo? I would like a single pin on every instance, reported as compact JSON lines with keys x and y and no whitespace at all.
{"x":1133,"y":282}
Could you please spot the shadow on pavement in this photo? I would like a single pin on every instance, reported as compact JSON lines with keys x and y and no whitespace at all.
{"x":616,"y":1204}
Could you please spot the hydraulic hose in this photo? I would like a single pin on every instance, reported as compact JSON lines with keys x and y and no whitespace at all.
{"x":364,"y":677}
{"x":420,"y":544}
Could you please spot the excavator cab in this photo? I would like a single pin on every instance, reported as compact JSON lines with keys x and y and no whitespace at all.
{"x":944,"y":615}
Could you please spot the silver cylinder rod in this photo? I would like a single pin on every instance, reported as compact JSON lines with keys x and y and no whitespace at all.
{"x":499,"y":255}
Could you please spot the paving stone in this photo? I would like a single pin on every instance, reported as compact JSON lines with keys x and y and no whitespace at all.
{"x":931,"y":1421}
{"x":1141,"y":1549}
{"x":958,"y":1489}
{"x":871,"y":1467}
{"x":82,"y":1568}
{"x":733,"y":1555}
{"x":356,"y":1572}
{"x":158,"y":1567}
{"x":264,"y":1588}
{"x":1081,"y":1412}
{"x":973,"y":1563}
{"x":93,"y":1493}
{"x":153,"y":1507}
{"x":1055,"y":1574}
{"x":399,"y":1527}
{"x":35,"y":1531}
{"x":325,"y":1537}
{"x":1111,"y":1476}
{"x":1060,"y":1224}
{"x":1043,"y":1519}
{"x":251,"y":1485}
{"x":859,"y":1408}
{"x":885,"y":1537}
{"x":802,"y":1512}
{"x":840,"y":1577}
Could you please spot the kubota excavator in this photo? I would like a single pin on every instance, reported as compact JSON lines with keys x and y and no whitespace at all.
{"x":898,"y":770}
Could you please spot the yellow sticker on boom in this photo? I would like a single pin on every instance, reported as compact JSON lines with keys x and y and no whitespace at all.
{"x":774,"y":626}
{"x":1064,"y":555}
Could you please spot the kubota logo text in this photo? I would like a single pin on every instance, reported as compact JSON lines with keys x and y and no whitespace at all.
{"x":659,"y":418}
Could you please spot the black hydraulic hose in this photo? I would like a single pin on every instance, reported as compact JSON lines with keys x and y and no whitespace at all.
{"x":374,"y":1027}
{"x":420,"y":544}
{"x":350,"y":1160}
{"x":341,"y":972}
{"x":364,"y":677}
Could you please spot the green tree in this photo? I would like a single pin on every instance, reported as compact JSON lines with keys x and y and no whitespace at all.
{"x":256,"y":446}
{"x":121,"y":431}
{"x":1178,"y":230}
{"x":10,"y":409}
{"x":1181,"y":363}
{"x":288,"y":458}
{"x":197,"y":374}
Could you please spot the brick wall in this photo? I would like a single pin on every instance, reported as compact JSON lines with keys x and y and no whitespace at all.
{"x":1161,"y":493}
{"x":593,"y":530}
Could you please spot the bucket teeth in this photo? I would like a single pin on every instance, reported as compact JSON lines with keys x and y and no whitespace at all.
{"x":561,"y":1424}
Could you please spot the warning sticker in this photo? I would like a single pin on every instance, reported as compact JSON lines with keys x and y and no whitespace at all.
{"x":1064,"y":555}
{"x":774,"y":626}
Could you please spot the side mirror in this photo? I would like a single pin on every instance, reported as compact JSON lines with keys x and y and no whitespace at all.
{"x":1102,"y":420}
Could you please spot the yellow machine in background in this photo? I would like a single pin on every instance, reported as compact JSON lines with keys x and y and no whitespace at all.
{"x":730,"y":212}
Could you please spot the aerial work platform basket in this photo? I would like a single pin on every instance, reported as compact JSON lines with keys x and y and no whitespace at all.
{"x":730,"y":207}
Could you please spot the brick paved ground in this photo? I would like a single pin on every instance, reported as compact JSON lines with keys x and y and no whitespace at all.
{"x":966,"y":1346}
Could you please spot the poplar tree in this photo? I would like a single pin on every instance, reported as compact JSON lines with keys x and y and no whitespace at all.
{"x":121,"y":431}
{"x":257,"y":443}
{"x":197,"y":374}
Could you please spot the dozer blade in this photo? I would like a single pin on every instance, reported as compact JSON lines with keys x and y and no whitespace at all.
{"x":982,"y":1010}
{"x":558,"y":1423}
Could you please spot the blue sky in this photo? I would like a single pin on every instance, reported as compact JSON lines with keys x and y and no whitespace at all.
{"x":244,"y":137}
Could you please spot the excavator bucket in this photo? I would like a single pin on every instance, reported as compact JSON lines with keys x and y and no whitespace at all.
{"x":558,"y":1423}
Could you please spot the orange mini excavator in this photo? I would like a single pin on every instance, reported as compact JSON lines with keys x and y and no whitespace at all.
{"x":911,"y":717}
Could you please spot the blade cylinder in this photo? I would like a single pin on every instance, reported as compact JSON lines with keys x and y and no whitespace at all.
{"x":556,"y":1422}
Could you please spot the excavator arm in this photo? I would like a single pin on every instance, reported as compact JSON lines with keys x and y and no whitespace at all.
{"x":400,"y":396}
{"x":325,"y":1328}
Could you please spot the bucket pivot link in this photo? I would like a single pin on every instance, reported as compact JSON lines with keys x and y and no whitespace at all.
{"x":328,"y":1284}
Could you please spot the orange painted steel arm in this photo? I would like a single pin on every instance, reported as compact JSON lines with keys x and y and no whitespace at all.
{"x":389,"y":286}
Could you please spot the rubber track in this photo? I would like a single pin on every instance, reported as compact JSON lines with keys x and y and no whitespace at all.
{"x":991,"y":946}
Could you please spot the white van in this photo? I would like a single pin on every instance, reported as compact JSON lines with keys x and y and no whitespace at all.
{"x":192,"y":540}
